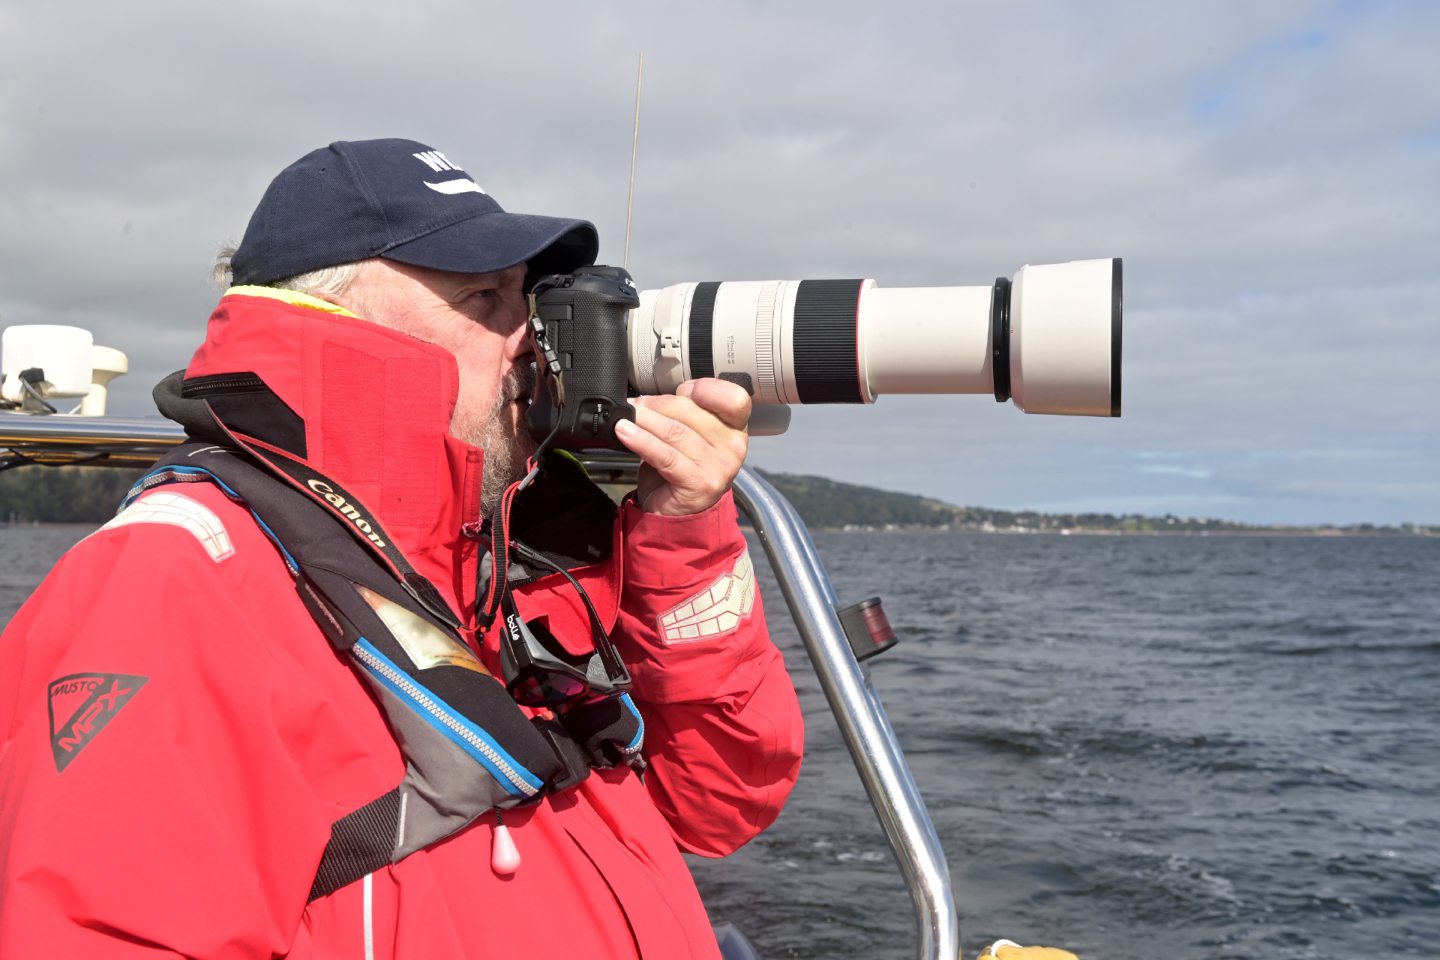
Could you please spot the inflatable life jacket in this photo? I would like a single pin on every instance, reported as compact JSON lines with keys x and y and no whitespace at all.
{"x":468,"y":747}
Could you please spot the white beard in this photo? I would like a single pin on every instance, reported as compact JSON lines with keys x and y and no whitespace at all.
{"x":505,"y":453}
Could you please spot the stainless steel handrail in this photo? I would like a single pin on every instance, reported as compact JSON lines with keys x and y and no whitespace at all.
{"x":861,"y":717}
{"x":66,"y":439}
{"x":859,"y":713}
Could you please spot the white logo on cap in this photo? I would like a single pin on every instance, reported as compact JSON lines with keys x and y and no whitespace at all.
{"x":452,"y":187}
{"x":438,"y":162}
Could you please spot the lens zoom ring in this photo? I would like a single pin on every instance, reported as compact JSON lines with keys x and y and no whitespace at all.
{"x":765,"y":390}
{"x":701,"y":344}
{"x":827,"y":359}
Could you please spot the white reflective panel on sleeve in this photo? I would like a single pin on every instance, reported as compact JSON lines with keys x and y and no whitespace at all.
{"x":717,"y":610}
{"x":177,"y":510}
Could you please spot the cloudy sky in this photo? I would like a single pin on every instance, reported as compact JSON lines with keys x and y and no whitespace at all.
{"x":1269,"y":171}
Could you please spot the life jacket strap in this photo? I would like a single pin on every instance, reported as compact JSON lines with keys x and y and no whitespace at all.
{"x":611,"y":731}
{"x":361,"y":842}
{"x":468,"y":748}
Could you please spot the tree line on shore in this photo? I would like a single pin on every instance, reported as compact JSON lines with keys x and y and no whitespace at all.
{"x":36,"y":494}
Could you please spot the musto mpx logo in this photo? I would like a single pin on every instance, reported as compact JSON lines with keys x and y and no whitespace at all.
{"x":83,"y":704}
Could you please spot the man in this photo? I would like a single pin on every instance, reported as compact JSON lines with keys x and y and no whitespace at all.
{"x":187,"y":742}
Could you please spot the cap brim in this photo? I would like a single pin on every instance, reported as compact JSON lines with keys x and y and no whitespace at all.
{"x":496,"y":241}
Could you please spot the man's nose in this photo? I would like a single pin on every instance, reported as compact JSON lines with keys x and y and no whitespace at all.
{"x":520,"y":345}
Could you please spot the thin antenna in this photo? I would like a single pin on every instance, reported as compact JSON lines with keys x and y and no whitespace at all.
{"x":634,"y":151}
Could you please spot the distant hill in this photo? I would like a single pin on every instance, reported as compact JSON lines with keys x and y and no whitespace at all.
{"x":90,"y":495}
{"x":822,"y":502}
{"x":829,"y":504}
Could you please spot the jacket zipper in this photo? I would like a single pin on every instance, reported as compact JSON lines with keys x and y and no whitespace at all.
{"x":222,"y":383}
{"x":423,"y":701}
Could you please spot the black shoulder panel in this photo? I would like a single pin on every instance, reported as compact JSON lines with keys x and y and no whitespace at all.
{"x":246,"y":405}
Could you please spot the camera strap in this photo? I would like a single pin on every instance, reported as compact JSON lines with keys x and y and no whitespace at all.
{"x":488,"y":607}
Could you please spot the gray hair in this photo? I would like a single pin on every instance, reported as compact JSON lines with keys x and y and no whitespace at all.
{"x":324,"y":283}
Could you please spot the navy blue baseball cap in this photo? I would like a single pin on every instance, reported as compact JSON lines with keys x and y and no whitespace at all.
{"x":404,"y":201}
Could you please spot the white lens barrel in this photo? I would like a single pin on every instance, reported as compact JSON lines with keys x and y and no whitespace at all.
{"x":924,"y":340}
{"x":1065,"y":323}
{"x":1055,"y":331}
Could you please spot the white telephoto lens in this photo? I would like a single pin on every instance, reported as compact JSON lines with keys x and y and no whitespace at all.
{"x":1053,"y":335}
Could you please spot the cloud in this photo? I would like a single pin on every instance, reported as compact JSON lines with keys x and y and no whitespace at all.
{"x":1267,"y":171}
{"x":1175,"y":470}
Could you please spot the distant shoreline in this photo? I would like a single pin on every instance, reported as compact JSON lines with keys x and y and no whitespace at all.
{"x":1324,"y":533}
{"x":831,"y":505}
{"x":1383,"y":533}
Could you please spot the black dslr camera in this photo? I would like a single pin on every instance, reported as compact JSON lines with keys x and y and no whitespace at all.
{"x":577,"y":321}
{"x":1047,"y":339}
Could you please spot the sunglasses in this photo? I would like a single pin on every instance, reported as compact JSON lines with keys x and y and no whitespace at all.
{"x":539,"y":671}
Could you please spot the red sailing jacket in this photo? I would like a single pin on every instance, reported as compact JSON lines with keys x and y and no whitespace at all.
{"x":178,"y":737}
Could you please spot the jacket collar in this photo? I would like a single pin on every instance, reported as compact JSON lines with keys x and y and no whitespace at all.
{"x":361,"y":404}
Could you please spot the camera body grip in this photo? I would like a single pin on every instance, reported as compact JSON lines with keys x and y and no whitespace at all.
{"x":579,"y":326}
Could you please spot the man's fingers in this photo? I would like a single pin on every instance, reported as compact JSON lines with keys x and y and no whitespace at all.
{"x":693,"y":443}
{"x":670,"y":482}
{"x":724,"y":399}
{"x":649,"y":448}
{"x":690,"y":433}
{"x":723,"y":429}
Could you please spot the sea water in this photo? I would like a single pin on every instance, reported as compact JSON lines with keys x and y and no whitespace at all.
{"x":1134,"y":747}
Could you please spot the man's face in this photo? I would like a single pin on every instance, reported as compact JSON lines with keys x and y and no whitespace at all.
{"x":481,"y":320}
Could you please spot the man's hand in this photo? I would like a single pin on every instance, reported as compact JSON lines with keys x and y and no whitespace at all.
{"x":692,"y":444}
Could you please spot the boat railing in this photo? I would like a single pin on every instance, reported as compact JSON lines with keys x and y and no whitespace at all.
{"x":75,"y":440}
{"x":861,"y":717}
